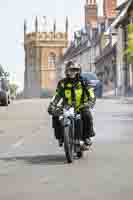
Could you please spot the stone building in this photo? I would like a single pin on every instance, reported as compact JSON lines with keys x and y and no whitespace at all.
{"x":94,"y":46}
{"x":43,"y":50}
{"x":124,"y":68}
{"x":113,"y":62}
{"x":106,"y":61}
{"x":84,"y":47}
{"x":106,"y":67}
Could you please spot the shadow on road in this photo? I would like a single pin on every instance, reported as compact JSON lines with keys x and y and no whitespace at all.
{"x":38,"y":160}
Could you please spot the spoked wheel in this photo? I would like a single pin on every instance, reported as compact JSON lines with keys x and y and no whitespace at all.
{"x":78,"y":137}
{"x":68,"y":144}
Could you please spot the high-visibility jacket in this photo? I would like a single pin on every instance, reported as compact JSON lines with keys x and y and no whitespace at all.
{"x":74,"y":92}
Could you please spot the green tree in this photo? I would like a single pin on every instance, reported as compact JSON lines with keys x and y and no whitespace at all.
{"x":13,"y":89}
{"x":1,"y":71}
{"x":129,"y":51}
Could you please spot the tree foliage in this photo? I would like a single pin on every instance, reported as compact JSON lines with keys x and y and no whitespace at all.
{"x":13,"y":89}
{"x":3,"y":73}
{"x":129,"y":51}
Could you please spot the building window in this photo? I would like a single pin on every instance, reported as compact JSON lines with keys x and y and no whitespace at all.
{"x":51,"y":59}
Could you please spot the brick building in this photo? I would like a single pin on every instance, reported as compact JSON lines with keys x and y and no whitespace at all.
{"x":109,"y":8}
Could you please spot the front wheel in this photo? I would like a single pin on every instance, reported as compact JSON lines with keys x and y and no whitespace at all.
{"x":68,"y":144}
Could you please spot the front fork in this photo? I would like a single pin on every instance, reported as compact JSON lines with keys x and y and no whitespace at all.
{"x":77,"y":135}
{"x":76,"y":126}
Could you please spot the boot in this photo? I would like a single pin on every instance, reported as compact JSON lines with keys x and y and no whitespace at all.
{"x":92,"y":133}
{"x":88,"y":142}
{"x":60,"y":141}
{"x":86,"y":145}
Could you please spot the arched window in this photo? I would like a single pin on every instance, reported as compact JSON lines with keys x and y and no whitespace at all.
{"x":52,"y":59}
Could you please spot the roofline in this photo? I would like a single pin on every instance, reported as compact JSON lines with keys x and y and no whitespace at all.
{"x":120,"y":18}
{"x":122,"y":5}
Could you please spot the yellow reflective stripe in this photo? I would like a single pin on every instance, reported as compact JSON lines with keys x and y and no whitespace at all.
{"x":68,"y":92}
{"x":68,"y":96}
{"x":78,"y":94}
{"x":69,"y":85}
{"x":91,"y":91}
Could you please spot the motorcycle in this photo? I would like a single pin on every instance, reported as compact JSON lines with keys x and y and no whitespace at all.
{"x":72,"y":132}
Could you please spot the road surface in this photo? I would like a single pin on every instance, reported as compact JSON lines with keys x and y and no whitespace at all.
{"x":33,"y":167}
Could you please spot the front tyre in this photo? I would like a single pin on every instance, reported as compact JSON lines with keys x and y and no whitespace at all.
{"x":68,"y":144}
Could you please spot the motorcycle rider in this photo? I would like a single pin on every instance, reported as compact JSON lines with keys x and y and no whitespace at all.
{"x":73,"y":89}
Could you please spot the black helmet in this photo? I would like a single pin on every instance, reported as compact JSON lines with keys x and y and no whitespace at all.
{"x":72,"y":70}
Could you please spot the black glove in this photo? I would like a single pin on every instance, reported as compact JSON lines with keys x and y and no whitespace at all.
{"x":51,"y":108}
{"x":91,"y":104}
{"x":58,"y":111}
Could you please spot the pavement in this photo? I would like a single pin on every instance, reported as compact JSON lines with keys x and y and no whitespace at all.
{"x":111,"y":94}
{"x":32,"y":166}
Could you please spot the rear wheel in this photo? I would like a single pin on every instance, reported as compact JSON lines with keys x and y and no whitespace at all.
{"x":68,"y":144}
{"x":78,"y":136}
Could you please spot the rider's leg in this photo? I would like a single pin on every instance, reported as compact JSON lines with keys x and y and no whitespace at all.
{"x":58,"y":130}
{"x":88,"y":130}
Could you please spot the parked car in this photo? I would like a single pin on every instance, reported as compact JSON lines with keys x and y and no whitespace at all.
{"x":92,"y":80}
{"x":4,"y":92}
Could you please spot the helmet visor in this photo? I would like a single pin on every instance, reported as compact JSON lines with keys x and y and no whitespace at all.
{"x":72,"y":72}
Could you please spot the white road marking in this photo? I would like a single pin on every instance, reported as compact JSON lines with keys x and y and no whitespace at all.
{"x":17,"y":144}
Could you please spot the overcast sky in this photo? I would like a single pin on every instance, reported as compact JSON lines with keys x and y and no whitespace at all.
{"x":12,"y":15}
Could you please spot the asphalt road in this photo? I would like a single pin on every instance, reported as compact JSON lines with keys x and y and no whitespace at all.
{"x":33,"y":167}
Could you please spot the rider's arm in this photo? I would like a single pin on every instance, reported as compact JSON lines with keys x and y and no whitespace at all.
{"x":91,"y":94}
{"x":59,"y":93}
{"x":90,"y":98}
{"x":55,"y":100}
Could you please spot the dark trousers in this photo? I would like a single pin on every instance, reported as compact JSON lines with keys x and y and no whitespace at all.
{"x":86,"y":121}
{"x":58,"y":128}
